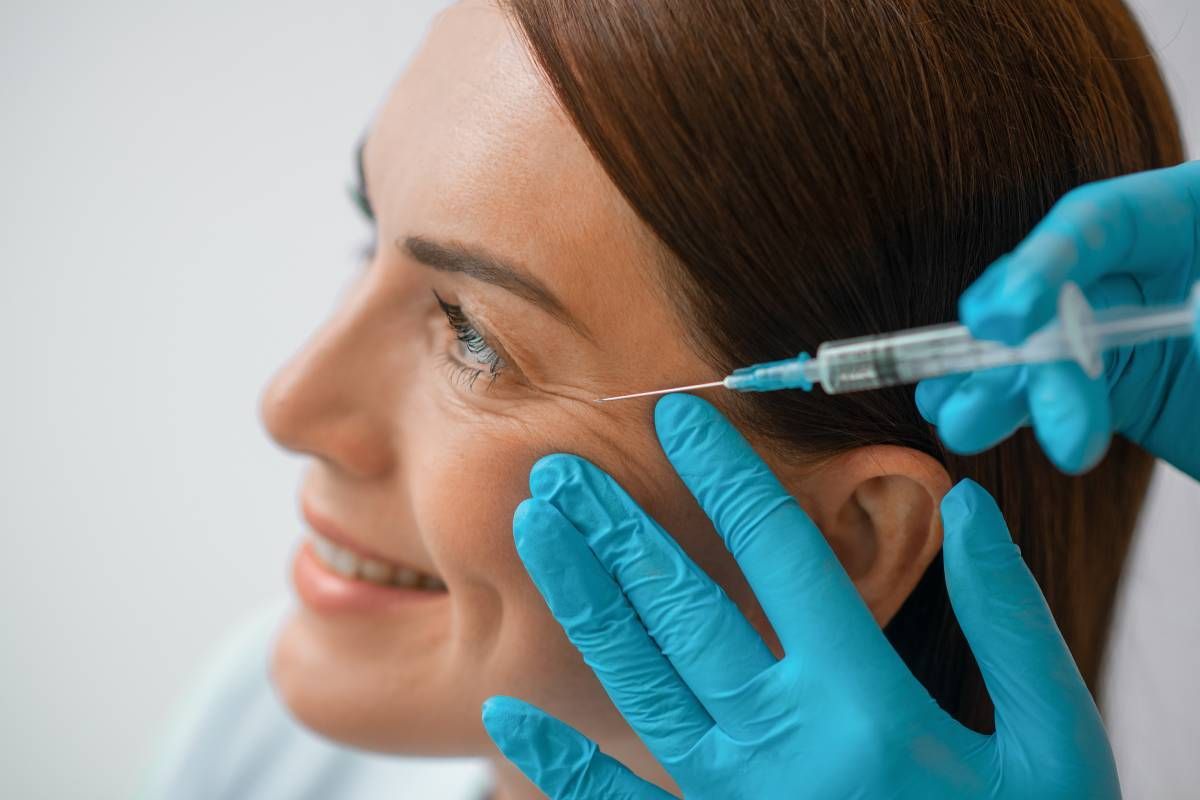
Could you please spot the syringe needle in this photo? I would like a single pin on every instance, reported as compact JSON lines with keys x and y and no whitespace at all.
{"x":661,"y":391}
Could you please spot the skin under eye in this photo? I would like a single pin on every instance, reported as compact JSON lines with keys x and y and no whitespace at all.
{"x":474,"y":355}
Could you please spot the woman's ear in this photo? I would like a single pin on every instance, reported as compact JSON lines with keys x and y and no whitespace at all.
{"x":878,"y":508}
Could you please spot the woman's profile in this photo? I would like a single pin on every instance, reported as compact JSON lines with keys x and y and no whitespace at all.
{"x":578,"y":199}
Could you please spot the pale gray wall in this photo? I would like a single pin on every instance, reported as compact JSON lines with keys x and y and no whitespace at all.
{"x":172,"y":224}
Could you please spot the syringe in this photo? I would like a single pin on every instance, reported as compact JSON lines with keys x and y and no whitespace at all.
{"x":1078,"y":334}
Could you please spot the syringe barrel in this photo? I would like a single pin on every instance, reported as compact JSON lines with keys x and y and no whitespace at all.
{"x":1079,"y":335}
{"x":872,"y":362}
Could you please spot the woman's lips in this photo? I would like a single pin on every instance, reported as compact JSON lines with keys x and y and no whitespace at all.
{"x":323,"y":589}
{"x":332,"y":572}
{"x":326,"y":529}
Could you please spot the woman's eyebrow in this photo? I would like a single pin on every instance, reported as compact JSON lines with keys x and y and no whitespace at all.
{"x":477,"y":263}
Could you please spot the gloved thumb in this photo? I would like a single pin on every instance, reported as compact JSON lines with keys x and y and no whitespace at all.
{"x":1044,"y":712}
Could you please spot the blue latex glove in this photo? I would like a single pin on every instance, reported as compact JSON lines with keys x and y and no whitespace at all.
{"x":1129,"y":240}
{"x":840,"y":715}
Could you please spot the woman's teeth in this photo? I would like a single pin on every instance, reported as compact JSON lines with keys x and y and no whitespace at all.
{"x":350,"y":565}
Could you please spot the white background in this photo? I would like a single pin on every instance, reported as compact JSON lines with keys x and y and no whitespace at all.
{"x":173,"y":223}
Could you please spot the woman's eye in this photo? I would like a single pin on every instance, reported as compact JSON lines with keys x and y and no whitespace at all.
{"x":474,"y":356}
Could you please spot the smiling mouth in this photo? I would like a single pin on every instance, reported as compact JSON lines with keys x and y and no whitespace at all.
{"x":350,"y":565}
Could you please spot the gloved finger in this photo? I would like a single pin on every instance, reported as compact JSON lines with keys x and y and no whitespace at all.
{"x":564,"y":763}
{"x":800,"y":584}
{"x":1042,"y":704}
{"x":1071,"y":415}
{"x":682,"y":609}
{"x":603,"y":626}
{"x":1137,"y":224}
{"x":984,"y":409}
{"x":932,"y":392}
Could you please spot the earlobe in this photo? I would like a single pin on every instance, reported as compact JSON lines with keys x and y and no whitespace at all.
{"x":878,"y":508}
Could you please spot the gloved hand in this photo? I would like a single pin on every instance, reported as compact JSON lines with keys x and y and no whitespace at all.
{"x":840,"y":715}
{"x":1129,"y":240}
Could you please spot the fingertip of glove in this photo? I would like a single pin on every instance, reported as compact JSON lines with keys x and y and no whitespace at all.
{"x":688,"y":426}
{"x":958,"y":424}
{"x":500,"y":712}
{"x":958,"y":503}
{"x":932,"y":393}
{"x":506,"y":720}
{"x":550,"y":471}
{"x":526,"y":510}
{"x":968,"y":502}
{"x":678,"y":409}
{"x":1071,"y":416}
{"x":989,"y":309}
{"x":531,"y":521}
{"x":1075,"y":457}
{"x":928,"y":400}
{"x":974,"y":303}
{"x":972,"y":524}
{"x":1008,"y":301}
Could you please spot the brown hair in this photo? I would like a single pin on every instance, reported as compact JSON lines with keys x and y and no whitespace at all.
{"x":819,"y":169}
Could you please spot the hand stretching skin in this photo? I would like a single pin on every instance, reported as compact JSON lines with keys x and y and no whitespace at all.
{"x":840,"y":715}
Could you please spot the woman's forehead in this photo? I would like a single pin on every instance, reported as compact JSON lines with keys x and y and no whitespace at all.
{"x":472,"y":146}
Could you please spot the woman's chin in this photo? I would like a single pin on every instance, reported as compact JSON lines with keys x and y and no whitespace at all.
{"x":366,"y":700}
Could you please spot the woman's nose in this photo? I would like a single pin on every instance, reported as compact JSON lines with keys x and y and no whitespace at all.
{"x":331,"y":399}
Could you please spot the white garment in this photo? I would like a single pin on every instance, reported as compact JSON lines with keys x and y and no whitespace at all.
{"x":236,"y":741}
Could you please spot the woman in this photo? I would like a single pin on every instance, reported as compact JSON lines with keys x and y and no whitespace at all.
{"x":575,"y":200}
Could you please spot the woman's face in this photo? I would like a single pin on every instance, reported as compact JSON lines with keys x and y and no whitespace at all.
{"x":511,"y":286}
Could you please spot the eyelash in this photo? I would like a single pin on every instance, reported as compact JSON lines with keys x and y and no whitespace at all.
{"x":475,"y":343}
{"x":465,"y":332}
{"x":358,"y":196}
